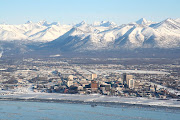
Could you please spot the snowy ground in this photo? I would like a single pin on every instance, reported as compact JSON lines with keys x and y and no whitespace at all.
{"x":176,"y":92}
{"x":93,"y":98}
{"x":100,"y":72}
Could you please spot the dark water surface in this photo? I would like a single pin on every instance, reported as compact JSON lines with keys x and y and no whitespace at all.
{"x":18,"y":110}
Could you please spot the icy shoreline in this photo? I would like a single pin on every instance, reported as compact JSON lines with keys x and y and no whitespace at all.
{"x":94,"y":98}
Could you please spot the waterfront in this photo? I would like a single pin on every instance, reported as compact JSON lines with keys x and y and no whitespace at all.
{"x":18,"y":110}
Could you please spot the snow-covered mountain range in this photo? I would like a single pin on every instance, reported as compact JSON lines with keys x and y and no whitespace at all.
{"x":97,"y":36}
{"x":41,"y":31}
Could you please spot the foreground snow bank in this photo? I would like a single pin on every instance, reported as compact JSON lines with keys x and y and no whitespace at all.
{"x":94,"y":98}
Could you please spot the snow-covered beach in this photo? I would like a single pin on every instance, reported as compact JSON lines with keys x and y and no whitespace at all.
{"x":92,"y":98}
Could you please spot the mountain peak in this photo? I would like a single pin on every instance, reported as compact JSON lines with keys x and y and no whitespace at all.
{"x":168,"y":24}
{"x":142,"y":21}
{"x":80,"y":24}
{"x":28,"y":22}
{"x":43,"y":22}
{"x":56,"y":23}
{"x":104,"y":24}
{"x":164,"y":34}
{"x":83,"y":22}
{"x":107,"y":23}
{"x":168,"y":20}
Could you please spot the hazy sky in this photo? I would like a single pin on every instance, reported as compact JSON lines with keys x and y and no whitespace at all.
{"x":75,"y":11}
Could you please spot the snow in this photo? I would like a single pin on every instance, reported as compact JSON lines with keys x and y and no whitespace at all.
{"x":99,"y":35}
{"x":107,"y":24}
{"x":100,"y":72}
{"x":142,"y":21}
{"x":142,"y":72}
{"x":93,"y":98}
{"x":81,"y":24}
{"x":109,"y":36}
{"x":26,"y":93}
{"x":28,"y":22}
{"x":176,"y":92}
{"x":57,"y":55}
{"x":41,"y":31}
{"x":177,"y":20}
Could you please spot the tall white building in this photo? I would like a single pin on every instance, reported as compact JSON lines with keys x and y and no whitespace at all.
{"x":131,"y":83}
{"x":93,"y":76}
{"x":70,"y":77}
{"x":69,"y":83}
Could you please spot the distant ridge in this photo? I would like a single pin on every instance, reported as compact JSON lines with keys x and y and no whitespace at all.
{"x":97,"y":37}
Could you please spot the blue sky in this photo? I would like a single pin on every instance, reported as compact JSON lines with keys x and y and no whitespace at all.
{"x":75,"y":11}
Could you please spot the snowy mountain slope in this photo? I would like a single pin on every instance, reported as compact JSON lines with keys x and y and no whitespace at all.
{"x":97,"y":36}
{"x":85,"y":37}
{"x":177,"y":20}
{"x":165,"y":34}
{"x":49,"y":33}
{"x":8,"y":34}
{"x":41,"y":31}
{"x":105,"y":24}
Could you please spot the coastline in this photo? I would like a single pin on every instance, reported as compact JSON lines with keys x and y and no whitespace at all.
{"x":107,"y":104}
{"x":93,"y":100}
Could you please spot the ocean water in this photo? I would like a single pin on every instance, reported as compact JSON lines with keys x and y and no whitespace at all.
{"x":18,"y":110}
